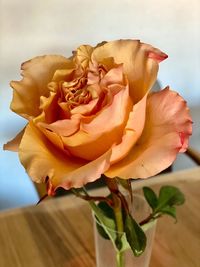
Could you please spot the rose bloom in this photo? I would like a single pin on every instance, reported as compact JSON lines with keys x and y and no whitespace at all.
{"x":93,"y":113}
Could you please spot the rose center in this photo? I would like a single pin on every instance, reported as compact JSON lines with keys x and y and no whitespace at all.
{"x":76,"y":93}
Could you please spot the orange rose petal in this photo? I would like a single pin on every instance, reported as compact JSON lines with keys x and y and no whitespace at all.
{"x":86,"y":108}
{"x":166,"y":132}
{"x":83,"y":55}
{"x":37,"y":73}
{"x":159,"y":57}
{"x":54,"y":138}
{"x":132,"y":132}
{"x":138,"y":63}
{"x":89,"y":172}
{"x":146,"y":160}
{"x":92,"y":134}
{"x":42,"y":159}
{"x":91,"y":147}
{"x":48,"y":108}
{"x":13,"y":145}
{"x":63,"y":75}
{"x":113,"y":76}
{"x":111,"y":116}
{"x":63,"y":127}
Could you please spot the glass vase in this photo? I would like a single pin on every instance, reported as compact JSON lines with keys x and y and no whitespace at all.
{"x":106,"y":255}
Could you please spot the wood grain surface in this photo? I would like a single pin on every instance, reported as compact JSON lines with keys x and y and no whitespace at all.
{"x":59,"y":232}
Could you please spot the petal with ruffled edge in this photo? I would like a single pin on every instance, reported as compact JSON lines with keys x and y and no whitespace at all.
{"x":41,"y":159}
{"x":83,"y":54}
{"x":37,"y":73}
{"x":13,"y":145}
{"x":140,"y":63}
{"x":166,"y":132}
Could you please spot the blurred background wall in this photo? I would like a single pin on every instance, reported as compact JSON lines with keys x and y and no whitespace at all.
{"x":31,"y":28}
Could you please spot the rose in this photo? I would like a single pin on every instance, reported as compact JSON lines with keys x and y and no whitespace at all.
{"x":92,"y":113}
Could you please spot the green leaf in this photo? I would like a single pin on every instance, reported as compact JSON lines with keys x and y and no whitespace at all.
{"x":135,"y":236}
{"x":101,"y":230}
{"x":108,"y":212}
{"x":170,"y":211}
{"x":169,"y":196}
{"x":108,"y":224}
{"x":120,"y":241}
{"x":150,"y":196}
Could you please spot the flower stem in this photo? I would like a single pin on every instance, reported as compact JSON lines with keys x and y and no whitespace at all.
{"x":120,"y":229}
{"x":120,"y":259}
{"x":117,"y":208}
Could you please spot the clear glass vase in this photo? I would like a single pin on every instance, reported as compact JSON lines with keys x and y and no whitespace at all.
{"x":105,"y":252}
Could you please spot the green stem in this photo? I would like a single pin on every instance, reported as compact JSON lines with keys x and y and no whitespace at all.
{"x":120,"y":228}
{"x":152,"y":216}
{"x":120,"y":259}
{"x":118,"y":213}
{"x":117,"y":208}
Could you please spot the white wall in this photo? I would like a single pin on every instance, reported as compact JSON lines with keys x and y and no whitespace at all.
{"x":30,"y":28}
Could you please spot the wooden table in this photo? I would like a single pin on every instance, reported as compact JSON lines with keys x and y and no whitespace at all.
{"x":59,"y":233}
